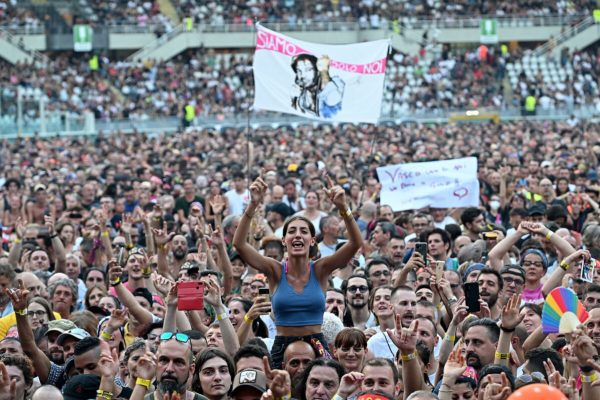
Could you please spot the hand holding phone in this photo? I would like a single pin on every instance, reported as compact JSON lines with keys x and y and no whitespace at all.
{"x":472,"y":297}
{"x":421,"y":248}
{"x":190,"y":295}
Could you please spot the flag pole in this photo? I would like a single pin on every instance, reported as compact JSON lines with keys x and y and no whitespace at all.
{"x":248,"y":111}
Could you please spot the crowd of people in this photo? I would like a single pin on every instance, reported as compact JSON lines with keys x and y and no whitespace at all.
{"x":222,"y":84}
{"x":369,"y":13}
{"x":198,"y":265}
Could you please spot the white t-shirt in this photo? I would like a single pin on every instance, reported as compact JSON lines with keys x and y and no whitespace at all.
{"x":237,"y":202}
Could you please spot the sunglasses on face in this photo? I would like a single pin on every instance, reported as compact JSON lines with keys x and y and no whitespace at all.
{"x":361,"y":289}
{"x":180,"y":337}
{"x":377,"y":274}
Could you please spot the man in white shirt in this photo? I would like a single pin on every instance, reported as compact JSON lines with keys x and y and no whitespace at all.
{"x":238,"y":196}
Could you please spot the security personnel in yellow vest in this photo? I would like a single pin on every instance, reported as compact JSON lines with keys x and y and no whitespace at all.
{"x":189,"y":24}
{"x":93,"y":63}
{"x":189,"y":114}
{"x":530,"y":104}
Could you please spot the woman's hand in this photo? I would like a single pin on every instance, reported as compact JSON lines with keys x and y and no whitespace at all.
{"x":217,"y":204}
{"x":281,"y":383}
{"x":336,"y":193}
{"x":258,"y":190}
{"x":260,"y":307}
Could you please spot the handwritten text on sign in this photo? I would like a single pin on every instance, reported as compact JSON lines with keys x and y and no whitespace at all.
{"x":440,"y":184}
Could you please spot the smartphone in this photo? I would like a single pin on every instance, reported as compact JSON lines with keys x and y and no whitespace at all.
{"x":121,"y":257}
{"x":421,"y":248}
{"x":439,"y":270}
{"x":472,"y":297}
{"x":264,"y":292}
{"x":587,"y":270}
{"x":190,"y":295}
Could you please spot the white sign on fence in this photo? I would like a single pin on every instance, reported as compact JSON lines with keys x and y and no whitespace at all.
{"x":440,"y":184}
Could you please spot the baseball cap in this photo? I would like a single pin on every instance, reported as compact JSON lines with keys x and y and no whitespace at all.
{"x":39,"y":187}
{"x":190,"y":265}
{"x":81,"y":387}
{"x":76,"y":333}
{"x":60,"y":326}
{"x":546,"y":163}
{"x":537,"y":209}
{"x":252,"y":378}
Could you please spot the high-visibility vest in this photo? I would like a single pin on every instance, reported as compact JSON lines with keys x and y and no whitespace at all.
{"x":504,"y":49}
{"x":94,"y":63}
{"x":596,"y":14}
{"x":189,"y":24}
{"x":190,"y":113}
{"x":530,"y":102}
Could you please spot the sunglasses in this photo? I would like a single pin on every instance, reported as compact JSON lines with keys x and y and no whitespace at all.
{"x":362,"y":289}
{"x":180,"y":337}
{"x":534,"y":377}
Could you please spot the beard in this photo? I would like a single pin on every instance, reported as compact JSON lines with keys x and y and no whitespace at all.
{"x":475,"y":364}
{"x":57,"y":358}
{"x":492,"y":299}
{"x":171,"y":386}
{"x":179,"y":254}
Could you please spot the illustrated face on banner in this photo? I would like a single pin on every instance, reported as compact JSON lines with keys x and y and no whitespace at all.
{"x":306,"y":73}
{"x":341,"y":83}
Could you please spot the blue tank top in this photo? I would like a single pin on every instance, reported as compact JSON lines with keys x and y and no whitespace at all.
{"x":298,"y":309}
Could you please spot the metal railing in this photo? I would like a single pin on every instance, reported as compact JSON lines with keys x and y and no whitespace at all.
{"x":143,"y":53}
{"x":39,"y":59}
{"x":345,"y":25}
{"x":129,"y":28}
{"x":73,"y":124}
{"x":563,"y":37}
{"x":24,"y":30}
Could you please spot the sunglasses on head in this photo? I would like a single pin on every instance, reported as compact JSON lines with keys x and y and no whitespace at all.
{"x":180,"y":337}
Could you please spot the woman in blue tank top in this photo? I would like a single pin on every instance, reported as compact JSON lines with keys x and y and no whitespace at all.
{"x":298,"y":285}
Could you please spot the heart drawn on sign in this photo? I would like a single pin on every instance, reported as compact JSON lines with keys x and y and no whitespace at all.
{"x":462,"y":192}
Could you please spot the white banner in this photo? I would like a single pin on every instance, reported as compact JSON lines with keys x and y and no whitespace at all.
{"x":440,"y":184}
{"x":327,"y":82}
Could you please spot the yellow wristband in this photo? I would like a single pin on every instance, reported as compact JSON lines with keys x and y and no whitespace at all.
{"x":221,"y":317}
{"x":588,"y":378}
{"x":21,"y":312}
{"x":17,"y":240}
{"x":450,"y":339}
{"x":408,"y":357}
{"x":248,"y":319}
{"x":346,"y":213}
{"x":502,"y":356}
{"x":143,"y":382}
{"x":564,"y":265}
{"x":105,"y":234}
{"x":106,"y":336}
{"x":549,"y":234}
{"x":103,"y":394}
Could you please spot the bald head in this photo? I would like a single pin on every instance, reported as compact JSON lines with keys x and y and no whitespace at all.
{"x":277,"y":194}
{"x":296,"y":356}
{"x":31,"y":283}
{"x":461,"y":242}
{"x":47,"y":392}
